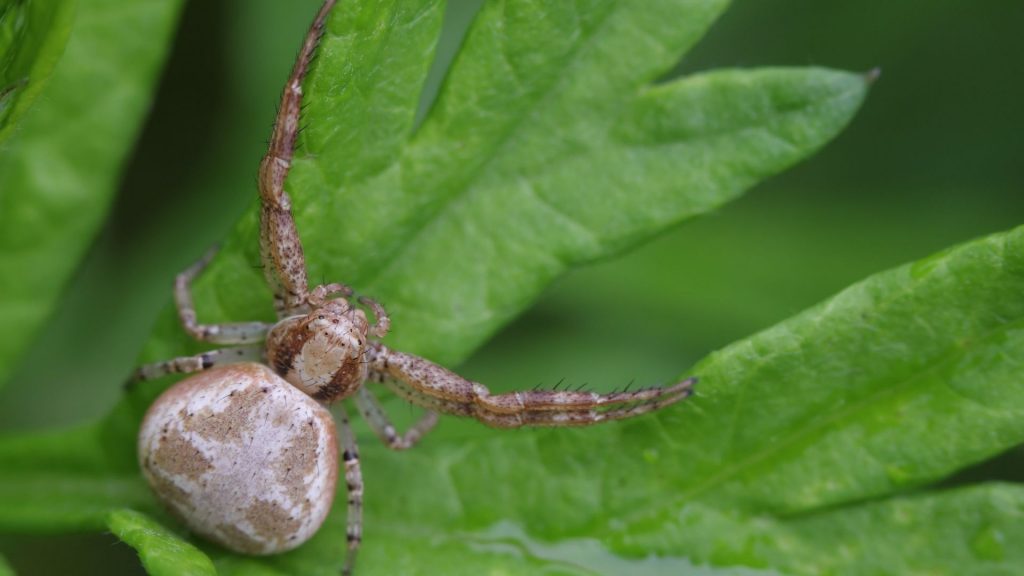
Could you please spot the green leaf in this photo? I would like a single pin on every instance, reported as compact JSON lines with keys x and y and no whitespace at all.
{"x":162,"y":551}
{"x":974,"y":530}
{"x":978,"y":530}
{"x":550,"y":145}
{"x":892,"y":384}
{"x":918,"y":367}
{"x":71,"y":480}
{"x":59,"y":169}
{"x":492,"y":204}
{"x":895,"y":382}
{"x":32,"y":38}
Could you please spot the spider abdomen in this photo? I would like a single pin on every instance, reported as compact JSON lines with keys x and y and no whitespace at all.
{"x":242,"y":458}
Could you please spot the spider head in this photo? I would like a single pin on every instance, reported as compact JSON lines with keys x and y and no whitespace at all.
{"x":321,"y":353}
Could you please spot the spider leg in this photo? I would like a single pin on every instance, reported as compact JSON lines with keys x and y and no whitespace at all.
{"x":230,"y":333}
{"x":432,"y":403}
{"x":280,"y":249}
{"x":382,"y":322}
{"x":374,"y":414}
{"x":189,"y":364}
{"x":354,"y":487}
{"x":537,"y":418}
{"x":436,"y":388}
{"x":455,"y":408}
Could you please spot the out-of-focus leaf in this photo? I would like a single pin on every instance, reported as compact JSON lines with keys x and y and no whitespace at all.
{"x":70,"y":480}
{"x":32,"y":38}
{"x":59,"y":169}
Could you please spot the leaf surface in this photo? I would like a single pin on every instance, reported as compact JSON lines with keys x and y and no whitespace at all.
{"x":60,"y":167}
{"x":551,"y":144}
{"x":71,"y":480}
{"x":800,"y":437}
{"x":512,"y":165}
{"x":161,"y":551}
{"x":32,"y":38}
{"x":547,"y":147}
{"x":746,"y":478}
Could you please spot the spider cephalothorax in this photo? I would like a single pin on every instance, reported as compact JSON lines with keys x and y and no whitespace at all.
{"x":321,"y":353}
{"x":326,"y":347}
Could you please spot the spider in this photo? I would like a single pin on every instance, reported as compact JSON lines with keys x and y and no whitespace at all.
{"x":327,"y":347}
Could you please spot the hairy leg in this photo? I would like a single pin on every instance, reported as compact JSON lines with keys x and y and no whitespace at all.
{"x":374,"y":415}
{"x":231,"y":333}
{"x":538,"y":418}
{"x":354,"y":489}
{"x":436,"y":388}
{"x":283,"y":262}
{"x":190,"y":364}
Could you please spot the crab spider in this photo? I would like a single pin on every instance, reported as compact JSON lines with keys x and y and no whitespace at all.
{"x":327,"y":347}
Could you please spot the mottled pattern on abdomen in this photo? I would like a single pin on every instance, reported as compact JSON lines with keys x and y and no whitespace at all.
{"x":242,"y":457}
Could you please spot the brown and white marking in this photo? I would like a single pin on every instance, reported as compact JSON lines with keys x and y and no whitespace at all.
{"x":242,"y":457}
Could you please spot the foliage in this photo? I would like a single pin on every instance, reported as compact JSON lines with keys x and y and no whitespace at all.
{"x":812,"y":447}
{"x":60,"y":161}
{"x":32,"y":39}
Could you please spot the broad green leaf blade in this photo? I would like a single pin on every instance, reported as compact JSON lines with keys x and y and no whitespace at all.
{"x":59,"y":170}
{"x":540,"y":154}
{"x":378,"y":53}
{"x":491,"y":251}
{"x":70,"y":480}
{"x":362,"y":93}
{"x":443,"y":225}
{"x":33,"y":34}
{"x":974,"y":530}
{"x":162,"y":552}
{"x":895,"y":382}
{"x":979,"y":530}
{"x":459,"y":225}
{"x":5,"y":568}
{"x":680,"y":483}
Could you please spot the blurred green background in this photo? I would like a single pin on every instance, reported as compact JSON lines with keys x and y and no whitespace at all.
{"x":935,"y":157}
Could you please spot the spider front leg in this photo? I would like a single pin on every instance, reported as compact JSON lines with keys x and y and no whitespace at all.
{"x":374,"y":414}
{"x":436,"y":388}
{"x":231,"y":333}
{"x":354,"y":489}
{"x":284,"y":265}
